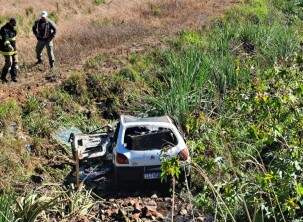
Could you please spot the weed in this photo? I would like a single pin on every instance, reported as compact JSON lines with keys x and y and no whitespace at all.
{"x":53,"y":16}
{"x":75,"y":85}
{"x":38,"y":124}
{"x":79,"y":202}
{"x":32,"y":105}
{"x":15,"y":161}
{"x":184,"y":79}
{"x":6,"y":211}
{"x":28,"y":208}
{"x":99,"y":2}
{"x":192,"y":38}
{"x":95,"y":62}
{"x":9,"y":112}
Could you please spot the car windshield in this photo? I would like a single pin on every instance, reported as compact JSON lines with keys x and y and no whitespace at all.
{"x":149,"y":138}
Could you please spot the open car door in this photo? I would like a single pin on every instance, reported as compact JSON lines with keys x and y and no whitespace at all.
{"x":90,"y":145}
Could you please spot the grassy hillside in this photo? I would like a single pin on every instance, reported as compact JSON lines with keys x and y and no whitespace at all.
{"x":236,"y":88}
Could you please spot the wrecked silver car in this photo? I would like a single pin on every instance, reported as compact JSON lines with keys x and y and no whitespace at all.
{"x":135,"y":147}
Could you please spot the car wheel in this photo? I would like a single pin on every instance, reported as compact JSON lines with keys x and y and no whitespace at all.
{"x":115,"y":178}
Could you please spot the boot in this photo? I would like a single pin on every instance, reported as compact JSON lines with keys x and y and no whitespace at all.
{"x":3,"y":75}
{"x":39,"y":61}
{"x":51,"y":64}
{"x":4,"y":80}
{"x":13,"y":72}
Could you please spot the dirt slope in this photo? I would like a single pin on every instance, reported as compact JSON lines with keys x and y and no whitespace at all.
{"x":117,"y":28}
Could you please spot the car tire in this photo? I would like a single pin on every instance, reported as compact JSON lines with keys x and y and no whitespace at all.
{"x":115,"y":178}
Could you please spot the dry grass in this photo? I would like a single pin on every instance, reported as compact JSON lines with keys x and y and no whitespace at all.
{"x":115,"y":28}
{"x":84,"y":27}
{"x":91,"y":37}
{"x":15,"y":161}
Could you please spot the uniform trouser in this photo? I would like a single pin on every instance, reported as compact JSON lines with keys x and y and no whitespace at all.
{"x":50,"y":50}
{"x":10,"y":66}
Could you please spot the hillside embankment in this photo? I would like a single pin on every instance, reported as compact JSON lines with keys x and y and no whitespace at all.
{"x":233,"y":80}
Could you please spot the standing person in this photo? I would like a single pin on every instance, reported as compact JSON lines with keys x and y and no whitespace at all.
{"x":45,"y":30}
{"x":8,"y":50}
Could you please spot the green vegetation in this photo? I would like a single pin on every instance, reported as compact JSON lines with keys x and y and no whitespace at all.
{"x":237,"y":90}
{"x":9,"y":112}
{"x":203,"y":67}
{"x":6,"y":213}
{"x":235,"y":87}
{"x":99,"y":2}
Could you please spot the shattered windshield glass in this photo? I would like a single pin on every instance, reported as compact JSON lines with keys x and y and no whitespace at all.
{"x":148,"y":138}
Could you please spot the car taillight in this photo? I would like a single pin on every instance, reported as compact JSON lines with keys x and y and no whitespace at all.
{"x":184,"y":154}
{"x":121,"y":159}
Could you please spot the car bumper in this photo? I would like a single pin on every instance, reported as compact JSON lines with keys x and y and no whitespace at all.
{"x":136,"y":173}
{"x":144,"y":173}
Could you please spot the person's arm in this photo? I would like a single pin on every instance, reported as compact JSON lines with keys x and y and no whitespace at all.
{"x":35,"y":28}
{"x":53,"y":30}
{"x":6,"y":41}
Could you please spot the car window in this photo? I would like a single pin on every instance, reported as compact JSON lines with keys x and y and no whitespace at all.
{"x":149,"y":138}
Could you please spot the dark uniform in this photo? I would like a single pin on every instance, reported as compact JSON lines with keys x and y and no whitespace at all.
{"x":45,"y":31}
{"x":8,"y":49}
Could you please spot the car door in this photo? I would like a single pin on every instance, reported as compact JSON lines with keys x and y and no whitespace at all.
{"x":91,"y":145}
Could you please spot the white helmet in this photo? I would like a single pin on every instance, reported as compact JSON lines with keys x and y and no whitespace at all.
{"x":44,"y":14}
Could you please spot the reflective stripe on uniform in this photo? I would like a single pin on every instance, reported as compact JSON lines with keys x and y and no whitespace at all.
{"x":12,"y":39}
{"x":7,"y":42}
{"x":8,"y":53}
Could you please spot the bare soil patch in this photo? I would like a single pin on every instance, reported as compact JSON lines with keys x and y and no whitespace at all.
{"x":116,"y":28}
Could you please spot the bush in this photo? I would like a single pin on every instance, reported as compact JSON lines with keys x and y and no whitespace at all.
{"x":75,"y":85}
{"x":39,"y":124}
{"x":15,"y":161}
{"x":6,"y":211}
{"x":32,"y":105}
{"x":99,"y":2}
{"x":9,"y":112}
{"x":95,"y":62}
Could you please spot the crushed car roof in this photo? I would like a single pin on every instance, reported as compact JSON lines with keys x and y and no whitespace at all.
{"x":125,"y":119}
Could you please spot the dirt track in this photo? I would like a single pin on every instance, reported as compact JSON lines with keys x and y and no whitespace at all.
{"x":116,"y":28}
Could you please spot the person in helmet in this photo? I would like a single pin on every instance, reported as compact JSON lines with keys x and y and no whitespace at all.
{"x":45,"y":30}
{"x":8,"y":49}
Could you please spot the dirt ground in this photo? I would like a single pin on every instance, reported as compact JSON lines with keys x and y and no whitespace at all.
{"x":117,"y":28}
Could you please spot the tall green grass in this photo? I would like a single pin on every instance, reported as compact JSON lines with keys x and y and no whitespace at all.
{"x":184,"y":79}
{"x":197,"y":71}
{"x":6,"y":211}
{"x":237,"y":90}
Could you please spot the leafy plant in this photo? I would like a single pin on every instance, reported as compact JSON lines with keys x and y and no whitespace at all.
{"x":9,"y":112}
{"x":79,"y":202}
{"x":99,"y":2}
{"x":28,"y":208}
{"x":32,"y":104}
{"x":6,"y":211}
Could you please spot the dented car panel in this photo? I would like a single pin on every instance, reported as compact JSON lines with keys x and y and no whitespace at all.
{"x":159,"y":137}
{"x":91,"y":145}
{"x":136,"y":148}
